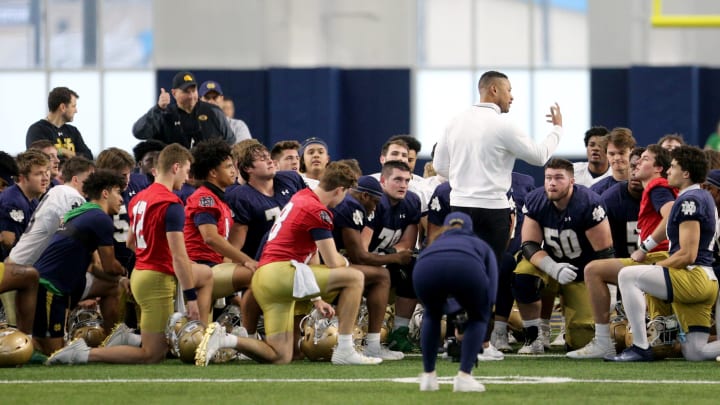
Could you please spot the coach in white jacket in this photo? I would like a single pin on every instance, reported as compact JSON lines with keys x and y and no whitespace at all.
{"x":477,"y":153}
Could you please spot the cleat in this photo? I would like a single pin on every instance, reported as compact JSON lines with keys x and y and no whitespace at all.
{"x":500,"y":340}
{"x":119,"y":336}
{"x":351,"y":357}
{"x":632,"y":353}
{"x":209,"y":345}
{"x":593,"y":350}
{"x":383,"y":353}
{"x":490,"y":353}
{"x":534,"y":347}
{"x":559,"y":341}
{"x":76,"y":352}
{"x":429,"y":382}
{"x":466,"y":383}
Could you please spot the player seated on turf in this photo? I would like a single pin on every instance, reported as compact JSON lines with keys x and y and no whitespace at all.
{"x":208,"y":219}
{"x":156,"y":219}
{"x":349,"y":219}
{"x":303,"y":228}
{"x":64,"y":263}
{"x":686,"y":279}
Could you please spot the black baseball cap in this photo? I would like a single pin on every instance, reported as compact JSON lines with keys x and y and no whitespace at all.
{"x":183,"y":80}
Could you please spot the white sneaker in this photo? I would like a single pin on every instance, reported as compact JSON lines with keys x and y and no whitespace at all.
{"x":76,"y":352}
{"x":209,"y":344}
{"x":490,"y":353}
{"x":593,"y":350}
{"x":120,"y":336}
{"x":545,"y":333}
{"x":463,"y":383}
{"x":352,"y":357}
{"x":559,"y":341}
{"x":429,"y":382}
{"x":500,"y":340}
{"x":382,"y":353}
{"x":536,"y":347}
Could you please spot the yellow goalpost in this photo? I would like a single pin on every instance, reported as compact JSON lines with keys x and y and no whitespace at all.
{"x":658,"y":19}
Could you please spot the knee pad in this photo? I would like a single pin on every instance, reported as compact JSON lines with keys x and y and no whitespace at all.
{"x":526,"y":288}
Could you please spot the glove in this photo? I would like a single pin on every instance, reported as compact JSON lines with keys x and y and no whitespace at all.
{"x":562,"y":272}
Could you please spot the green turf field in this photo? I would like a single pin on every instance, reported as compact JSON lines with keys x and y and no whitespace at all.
{"x":548,"y":379}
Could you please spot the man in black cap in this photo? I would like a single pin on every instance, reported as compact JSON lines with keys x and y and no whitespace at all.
{"x":211,"y":92}
{"x":187,"y":121}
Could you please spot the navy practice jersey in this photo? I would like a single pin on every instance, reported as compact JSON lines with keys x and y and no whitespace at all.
{"x":694,"y":204}
{"x":622,"y":212}
{"x":15,"y":213}
{"x":564,"y":231}
{"x":603,"y":185}
{"x":389,"y":222}
{"x":121,"y":222}
{"x":522,"y":184}
{"x":258,"y":211}
{"x":439,"y":205}
{"x":348,"y":214}
{"x":66,"y":259}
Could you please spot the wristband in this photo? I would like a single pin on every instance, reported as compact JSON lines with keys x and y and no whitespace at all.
{"x":648,"y":244}
{"x":315,"y":299}
{"x":190,"y":294}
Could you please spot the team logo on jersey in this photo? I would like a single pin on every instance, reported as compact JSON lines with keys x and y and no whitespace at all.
{"x":17,"y":215}
{"x":524,"y":209}
{"x":598,"y":213}
{"x":177,"y":123}
{"x":202,"y":117}
{"x":207,"y":202}
{"x":285,"y":192}
{"x":435,"y":204}
{"x":688,"y":207}
{"x":358,"y":217}
{"x":325,"y":217}
{"x":402,"y":216}
{"x":371,"y":216}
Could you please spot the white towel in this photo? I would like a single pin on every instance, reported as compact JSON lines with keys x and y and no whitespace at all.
{"x":304,"y":284}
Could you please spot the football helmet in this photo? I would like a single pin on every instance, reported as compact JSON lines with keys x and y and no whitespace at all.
{"x":175,"y":323}
{"x":86,"y":324}
{"x":319,"y":336}
{"x":662,"y":335}
{"x":16,"y":348}
{"x":230,"y":318}
{"x":415,"y":326}
{"x":189,"y":338}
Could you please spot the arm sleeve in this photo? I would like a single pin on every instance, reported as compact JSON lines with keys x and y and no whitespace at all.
{"x":204,"y":218}
{"x":174,"y":218}
{"x":524,"y":148}
{"x":149,"y":126}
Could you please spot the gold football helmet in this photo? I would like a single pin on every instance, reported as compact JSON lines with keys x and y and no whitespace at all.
{"x":319,"y":336}
{"x":86,"y":324}
{"x":189,"y":338}
{"x":662,"y":335}
{"x":16,"y":348}
{"x":175,"y":323}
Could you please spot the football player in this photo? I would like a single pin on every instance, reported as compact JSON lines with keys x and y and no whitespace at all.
{"x":655,"y":205}
{"x":17,"y":204}
{"x":303,"y":228}
{"x":685,"y":278}
{"x":620,"y":143}
{"x":285,"y":155}
{"x":157,"y":218}
{"x":571,"y":222}
{"x":349,"y":219}
{"x":64,"y":263}
{"x":394,"y":228}
{"x":256,"y":204}
{"x":208,"y":219}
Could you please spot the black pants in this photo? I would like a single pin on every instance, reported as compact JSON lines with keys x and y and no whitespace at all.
{"x":490,"y":225}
